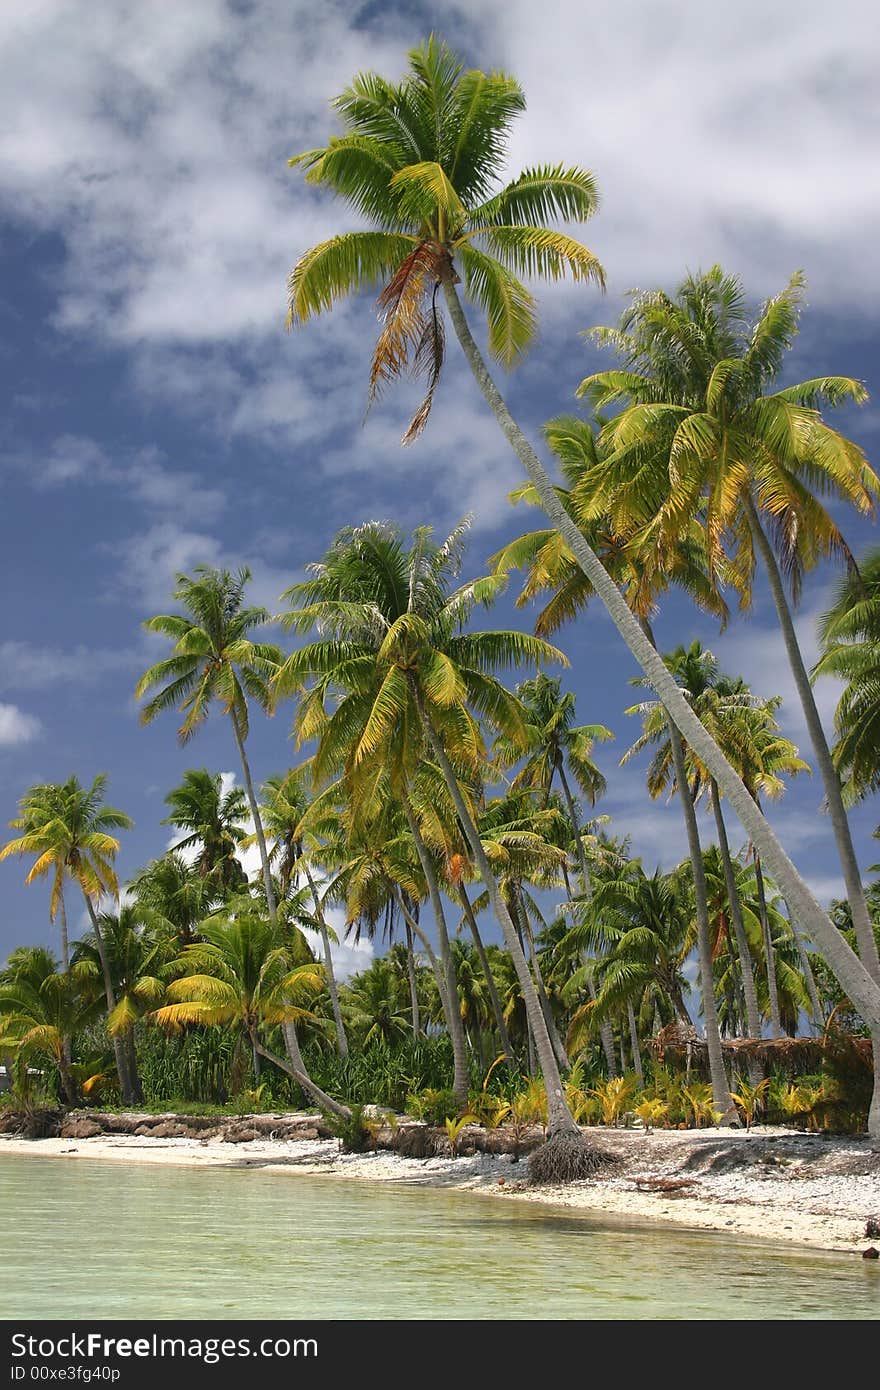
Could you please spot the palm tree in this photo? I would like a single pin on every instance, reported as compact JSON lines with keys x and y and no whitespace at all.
{"x":699,"y":410}
{"x":285,"y":805}
{"x":243,"y":974}
{"x":41,"y":1010}
{"x":375,"y":1005}
{"x":394,"y":644}
{"x":140,"y":965}
{"x":554,"y":741}
{"x":70,"y":835}
{"x":214,"y":659}
{"x":173,"y":896}
{"x":850,"y":637}
{"x":641,"y":921}
{"x":384,"y":168}
{"x":213,"y":822}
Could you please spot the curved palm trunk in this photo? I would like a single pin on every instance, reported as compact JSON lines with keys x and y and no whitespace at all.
{"x":606,"y":1033}
{"x":559,"y":1117}
{"x":720,"y":1090}
{"x":120,"y":1055}
{"x":341,"y":1039}
{"x":634,"y":1044}
{"x":776,"y":1028}
{"x":413,"y":983}
{"x":498,"y":1012}
{"x":453,"y":1012}
{"x":295,"y":1069}
{"x":747,"y":969}
{"x":859,"y":984}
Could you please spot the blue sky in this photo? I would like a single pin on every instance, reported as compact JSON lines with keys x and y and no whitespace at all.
{"x":156,"y":415}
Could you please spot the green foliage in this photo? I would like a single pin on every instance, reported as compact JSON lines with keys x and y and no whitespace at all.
{"x":613,"y":1096}
{"x":750,"y":1098}
{"x":454,"y":1129}
{"x":435,"y":1107}
{"x":356,"y":1133}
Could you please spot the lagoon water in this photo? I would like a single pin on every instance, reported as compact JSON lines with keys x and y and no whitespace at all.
{"x":86,"y":1238}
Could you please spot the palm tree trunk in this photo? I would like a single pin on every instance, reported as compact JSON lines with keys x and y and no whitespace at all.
{"x":119,"y":1054}
{"x":256,"y":1057}
{"x":559,"y":1117}
{"x":833,"y":799}
{"x":720,"y":1090}
{"x":747,"y":970}
{"x":518,"y":910}
{"x":606,"y":1033}
{"x":435,"y":964}
{"x":776,"y":1028}
{"x":503,"y":1035}
{"x":634,"y":1043}
{"x":453,"y":1012}
{"x":855,"y":979}
{"x":300,"y":1075}
{"x":257,"y":819}
{"x":815,"y":1001}
{"x":830,"y":781}
{"x":413,"y":983}
{"x":341,"y":1039}
{"x":65,"y":941}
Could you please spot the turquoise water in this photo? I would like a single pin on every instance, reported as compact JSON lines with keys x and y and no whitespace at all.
{"x":90,"y":1238}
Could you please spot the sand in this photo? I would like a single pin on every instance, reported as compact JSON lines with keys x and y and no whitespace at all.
{"x":768,"y":1183}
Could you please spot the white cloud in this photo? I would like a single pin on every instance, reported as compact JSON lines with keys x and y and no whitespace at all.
{"x":26,"y":666}
{"x":154,"y":143}
{"x":16,"y":727}
{"x":141,"y":474}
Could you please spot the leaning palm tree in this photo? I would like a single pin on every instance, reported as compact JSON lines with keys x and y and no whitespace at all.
{"x":72,"y":839}
{"x":413,"y":155}
{"x":214,"y":660}
{"x":850,"y":637}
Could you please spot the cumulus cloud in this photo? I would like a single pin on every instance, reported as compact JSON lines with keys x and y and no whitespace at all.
{"x":16,"y":727}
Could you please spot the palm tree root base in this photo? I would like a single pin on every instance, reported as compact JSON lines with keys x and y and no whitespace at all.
{"x":567,"y":1157}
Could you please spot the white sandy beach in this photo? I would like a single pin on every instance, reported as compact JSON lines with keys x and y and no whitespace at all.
{"x":768,"y":1183}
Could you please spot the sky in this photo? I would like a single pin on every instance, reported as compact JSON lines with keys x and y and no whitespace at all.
{"x":156,"y":414}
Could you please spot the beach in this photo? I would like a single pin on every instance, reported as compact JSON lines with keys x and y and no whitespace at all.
{"x":773,"y":1184}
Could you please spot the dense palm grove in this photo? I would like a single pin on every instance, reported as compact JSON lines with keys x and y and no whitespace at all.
{"x":446,"y":796}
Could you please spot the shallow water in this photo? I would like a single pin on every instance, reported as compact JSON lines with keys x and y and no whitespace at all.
{"x":90,"y":1238}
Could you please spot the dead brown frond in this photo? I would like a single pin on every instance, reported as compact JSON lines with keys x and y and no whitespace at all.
{"x":412,"y":337}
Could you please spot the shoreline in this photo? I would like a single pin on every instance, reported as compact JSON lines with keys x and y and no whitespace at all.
{"x":773,"y":1184}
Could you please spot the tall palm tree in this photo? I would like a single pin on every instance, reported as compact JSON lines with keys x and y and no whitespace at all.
{"x":214,"y":660}
{"x":411,"y":678}
{"x":71,"y":839}
{"x":285,"y":804}
{"x":214,"y":824}
{"x":698,"y":407}
{"x":850,"y":637}
{"x":387,"y":167}
{"x":41,"y":1010}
